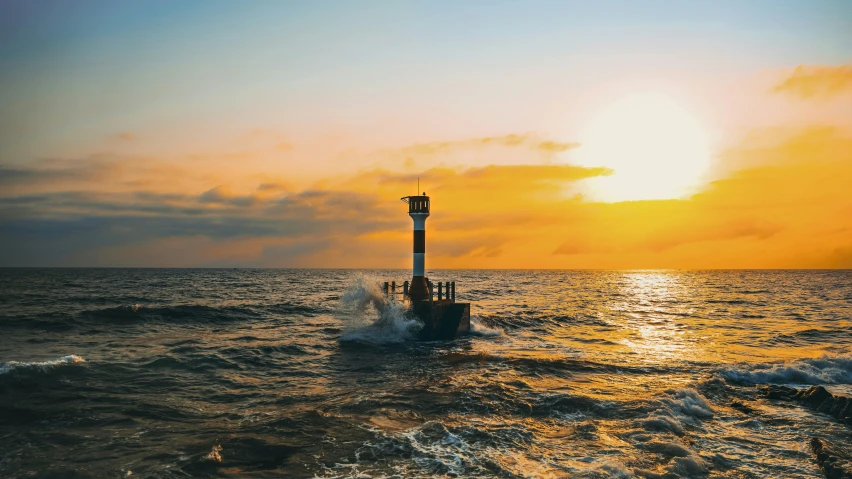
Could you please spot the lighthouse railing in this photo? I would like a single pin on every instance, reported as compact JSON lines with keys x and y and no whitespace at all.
{"x":440,"y":291}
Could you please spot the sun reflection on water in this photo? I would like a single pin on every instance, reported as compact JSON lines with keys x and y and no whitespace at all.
{"x":651,"y":319}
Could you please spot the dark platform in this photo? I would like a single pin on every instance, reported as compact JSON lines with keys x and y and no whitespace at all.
{"x":443,"y":319}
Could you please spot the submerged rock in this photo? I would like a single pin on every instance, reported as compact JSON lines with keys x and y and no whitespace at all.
{"x":834,"y":464}
{"x":745,"y":408}
{"x":817,"y":398}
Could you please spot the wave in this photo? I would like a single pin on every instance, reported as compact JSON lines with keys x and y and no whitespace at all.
{"x":43,"y":366}
{"x":682,"y":410}
{"x":129,"y":314}
{"x":477,"y":328}
{"x":443,"y":451}
{"x":288,"y":307}
{"x":188,"y":313}
{"x":57,"y":322}
{"x":559,"y":364}
{"x":435,"y":449}
{"x":823,"y":370}
{"x":370,"y":317}
{"x":685,"y":407}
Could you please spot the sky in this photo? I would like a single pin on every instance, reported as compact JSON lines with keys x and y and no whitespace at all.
{"x":549,"y":134}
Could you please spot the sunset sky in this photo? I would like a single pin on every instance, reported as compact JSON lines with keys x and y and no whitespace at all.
{"x":610,"y":134}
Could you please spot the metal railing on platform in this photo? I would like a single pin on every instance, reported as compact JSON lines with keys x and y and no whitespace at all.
{"x":445,"y":290}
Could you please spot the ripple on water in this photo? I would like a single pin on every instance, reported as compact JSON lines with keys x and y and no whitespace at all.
{"x":301,"y":373}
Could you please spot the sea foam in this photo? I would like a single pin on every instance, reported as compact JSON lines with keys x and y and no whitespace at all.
{"x":679,"y":412}
{"x":822,"y":370}
{"x":479,"y":329}
{"x":42,"y":366}
{"x":370,"y":317}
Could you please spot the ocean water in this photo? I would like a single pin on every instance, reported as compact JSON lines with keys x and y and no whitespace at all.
{"x":108,"y":373}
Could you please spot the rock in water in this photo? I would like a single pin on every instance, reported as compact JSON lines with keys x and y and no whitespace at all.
{"x":833,"y":463}
{"x":823,"y":401}
{"x":817,"y":398}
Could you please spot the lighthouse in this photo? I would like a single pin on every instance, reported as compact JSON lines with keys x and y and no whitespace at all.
{"x":418,"y":210}
{"x":436,"y":308}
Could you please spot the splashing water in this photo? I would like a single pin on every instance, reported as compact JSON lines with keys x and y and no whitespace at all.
{"x":41,"y":366}
{"x":370,"y":317}
{"x":827,"y":369}
{"x":477,"y":328}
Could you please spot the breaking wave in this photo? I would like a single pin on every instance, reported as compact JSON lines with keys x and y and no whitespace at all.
{"x":683,"y":410}
{"x":371,"y":318}
{"x":479,"y":329}
{"x":481,"y":449}
{"x":43,"y":366}
{"x":822,"y":370}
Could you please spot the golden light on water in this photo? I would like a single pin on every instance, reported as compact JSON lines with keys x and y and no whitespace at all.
{"x":653,"y":336}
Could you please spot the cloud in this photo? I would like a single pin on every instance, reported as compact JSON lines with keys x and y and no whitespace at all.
{"x":497,"y":181}
{"x":222,"y":195}
{"x":785,"y":146}
{"x":35,"y":229}
{"x":782,"y":202}
{"x":725,"y":230}
{"x":74,"y":171}
{"x":525,"y":141}
{"x":121,"y":137}
{"x":472,"y":246}
{"x":96,"y":172}
{"x":119,"y":172}
{"x":296,"y":249}
{"x":841,"y":257}
{"x":578,"y":246}
{"x":272,"y":187}
{"x":534,"y":173}
{"x":353,"y":212}
{"x":809,"y":82}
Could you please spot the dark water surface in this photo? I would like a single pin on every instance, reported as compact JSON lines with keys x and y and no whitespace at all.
{"x":278,"y":373}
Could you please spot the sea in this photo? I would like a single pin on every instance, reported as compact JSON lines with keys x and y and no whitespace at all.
{"x":178,"y":373}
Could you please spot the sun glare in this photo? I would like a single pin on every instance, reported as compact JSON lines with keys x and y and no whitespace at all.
{"x":657,"y":150}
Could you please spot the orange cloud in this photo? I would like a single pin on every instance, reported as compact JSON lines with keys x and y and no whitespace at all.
{"x":782,"y":201}
{"x":222,"y":195}
{"x":787,"y":206}
{"x":817,"y":81}
{"x":513,"y":141}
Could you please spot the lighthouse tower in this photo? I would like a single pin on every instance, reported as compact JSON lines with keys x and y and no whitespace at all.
{"x":441,"y":317}
{"x":418,"y":209}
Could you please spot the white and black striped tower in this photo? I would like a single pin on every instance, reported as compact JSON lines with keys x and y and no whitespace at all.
{"x":418,"y":209}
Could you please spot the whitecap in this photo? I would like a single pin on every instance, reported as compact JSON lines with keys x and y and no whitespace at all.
{"x":479,"y":329}
{"x":823,"y":370}
{"x":370,"y":317}
{"x":683,"y":407}
{"x":42,"y":366}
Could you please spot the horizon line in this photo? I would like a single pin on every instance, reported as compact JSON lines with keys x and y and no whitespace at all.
{"x":435,"y":269}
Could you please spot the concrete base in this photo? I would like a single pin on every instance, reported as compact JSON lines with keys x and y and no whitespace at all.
{"x":443,"y":319}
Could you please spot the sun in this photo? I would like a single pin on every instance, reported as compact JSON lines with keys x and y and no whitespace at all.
{"x":656,"y":148}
